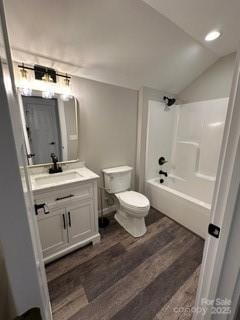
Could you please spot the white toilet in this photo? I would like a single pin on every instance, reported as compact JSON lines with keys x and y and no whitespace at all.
{"x":133,"y":206}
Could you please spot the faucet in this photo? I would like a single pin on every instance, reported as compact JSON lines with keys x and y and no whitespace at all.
{"x":163,"y":173}
{"x":55,"y":168}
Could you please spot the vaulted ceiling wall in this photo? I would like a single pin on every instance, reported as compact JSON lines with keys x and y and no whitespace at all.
{"x":122,"y":42}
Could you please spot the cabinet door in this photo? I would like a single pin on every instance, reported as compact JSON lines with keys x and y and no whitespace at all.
{"x":53,"y":232}
{"x":80,"y":221}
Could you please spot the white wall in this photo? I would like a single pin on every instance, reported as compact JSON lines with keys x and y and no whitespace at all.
{"x":214,"y":83}
{"x":108,"y":124}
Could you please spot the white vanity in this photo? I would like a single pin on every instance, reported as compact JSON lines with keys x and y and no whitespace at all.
{"x":65,"y":202}
{"x":66,"y":208}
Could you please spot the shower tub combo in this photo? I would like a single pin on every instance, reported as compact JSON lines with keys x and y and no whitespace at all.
{"x":189,"y":137}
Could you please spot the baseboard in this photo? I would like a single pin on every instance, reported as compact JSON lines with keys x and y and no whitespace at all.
{"x":107,"y":210}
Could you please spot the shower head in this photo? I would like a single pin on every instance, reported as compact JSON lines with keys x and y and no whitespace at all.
{"x":169,"y":101}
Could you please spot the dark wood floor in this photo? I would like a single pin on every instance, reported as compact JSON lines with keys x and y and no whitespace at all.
{"x":124,"y":278}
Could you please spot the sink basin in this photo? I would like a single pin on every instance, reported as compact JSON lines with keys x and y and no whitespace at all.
{"x":57,"y":178}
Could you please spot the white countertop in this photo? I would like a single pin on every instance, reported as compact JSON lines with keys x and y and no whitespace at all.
{"x":84,"y":175}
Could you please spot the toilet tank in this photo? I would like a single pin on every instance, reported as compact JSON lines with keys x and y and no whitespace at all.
{"x":117,"y":179}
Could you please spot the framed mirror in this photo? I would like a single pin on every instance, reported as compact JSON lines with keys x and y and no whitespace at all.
{"x":50,"y":126}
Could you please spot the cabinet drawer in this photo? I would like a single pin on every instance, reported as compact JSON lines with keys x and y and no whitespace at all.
{"x":64,"y":194}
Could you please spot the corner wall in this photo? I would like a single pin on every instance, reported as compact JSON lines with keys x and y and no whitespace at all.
{"x":214,"y":83}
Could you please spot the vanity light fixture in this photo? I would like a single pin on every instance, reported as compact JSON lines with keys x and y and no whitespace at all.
{"x":24,"y":86}
{"x":66,"y":95}
{"x":213,"y":35}
{"x":46,"y":81}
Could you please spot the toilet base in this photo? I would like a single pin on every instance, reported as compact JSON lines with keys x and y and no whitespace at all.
{"x":135,"y":226}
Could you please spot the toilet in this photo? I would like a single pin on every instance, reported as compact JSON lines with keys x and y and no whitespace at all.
{"x":133,"y":206}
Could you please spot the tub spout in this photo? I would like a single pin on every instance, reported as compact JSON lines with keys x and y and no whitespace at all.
{"x":164,"y":173}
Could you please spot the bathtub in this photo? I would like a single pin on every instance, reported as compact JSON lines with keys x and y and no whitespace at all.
{"x":187,"y":210}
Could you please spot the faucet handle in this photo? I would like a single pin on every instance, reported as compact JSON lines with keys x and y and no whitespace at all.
{"x":54,"y":157}
{"x":162,"y":161}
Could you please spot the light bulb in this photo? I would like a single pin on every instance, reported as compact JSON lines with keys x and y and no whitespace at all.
{"x":24,"y":88}
{"x":47,"y":89}
{"x":25,"y":91}
{"x":66,"y":95}
{"x":24,"y":85}
{"x":47,"y":94}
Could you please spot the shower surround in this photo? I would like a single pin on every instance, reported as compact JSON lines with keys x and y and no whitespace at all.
{"x":189,"y":136}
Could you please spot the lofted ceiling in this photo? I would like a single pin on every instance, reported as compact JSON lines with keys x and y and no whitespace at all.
{"x":122,"y":42}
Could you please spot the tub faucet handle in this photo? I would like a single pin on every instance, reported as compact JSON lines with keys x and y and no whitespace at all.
{"x":162,"y":161}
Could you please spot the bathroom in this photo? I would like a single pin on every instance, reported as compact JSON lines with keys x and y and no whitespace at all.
{"x":122,"y":114}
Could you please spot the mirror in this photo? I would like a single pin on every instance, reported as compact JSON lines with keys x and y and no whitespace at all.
{"x":50,"y":126}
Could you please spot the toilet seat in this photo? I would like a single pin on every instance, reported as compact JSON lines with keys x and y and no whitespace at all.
{"x":133,"y":200}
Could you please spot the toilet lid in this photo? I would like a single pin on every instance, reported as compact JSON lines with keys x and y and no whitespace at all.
{"x":133,"y":199}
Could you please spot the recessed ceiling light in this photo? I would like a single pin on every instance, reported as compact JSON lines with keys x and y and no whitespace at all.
{"x":213,"y":35}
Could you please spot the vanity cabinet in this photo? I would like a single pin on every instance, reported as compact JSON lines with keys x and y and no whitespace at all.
{"x":69,"y":219}
{"x":53,"y":232}
{"x":80,"y":222}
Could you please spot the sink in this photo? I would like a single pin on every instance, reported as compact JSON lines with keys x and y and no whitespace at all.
{"x":57,"y":178}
